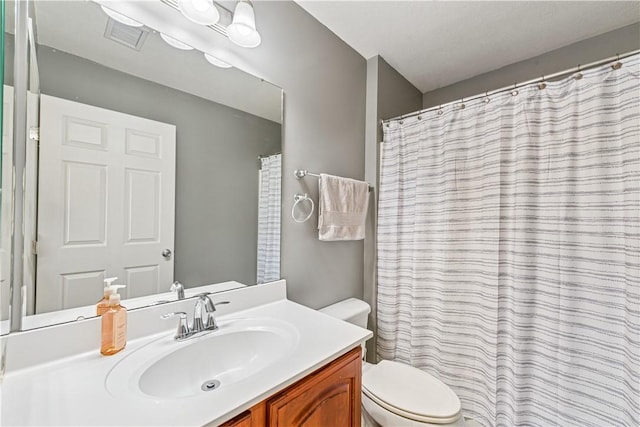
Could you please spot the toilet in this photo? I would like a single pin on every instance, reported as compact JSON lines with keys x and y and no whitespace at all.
{"x":395,"y":394}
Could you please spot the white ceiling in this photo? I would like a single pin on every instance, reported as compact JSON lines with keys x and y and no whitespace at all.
{"x":436,"y":43}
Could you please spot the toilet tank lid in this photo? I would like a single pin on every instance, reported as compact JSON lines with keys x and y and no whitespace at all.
{"x":347,"y":309}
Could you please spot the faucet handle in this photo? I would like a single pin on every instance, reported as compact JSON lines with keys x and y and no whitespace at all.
{"x":179,"y":287}
{"x":205,"y":320}
{"x":209,"y":306}
{"x":183,"y":331}
{"x":210,"y":323}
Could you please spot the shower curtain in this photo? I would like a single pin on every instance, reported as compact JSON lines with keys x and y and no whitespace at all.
{"x":508,"y":250}
{"x":269,"y":219}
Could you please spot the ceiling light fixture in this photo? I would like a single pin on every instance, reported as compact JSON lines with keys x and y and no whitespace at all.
{"x":242,"y":30}
{"x":202,"y":12}
{"x":175,"y":42}
{"x":121,"y":18}
{"x":217,"y":62}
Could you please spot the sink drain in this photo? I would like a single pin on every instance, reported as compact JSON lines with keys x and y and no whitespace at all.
{"x":210,"y":385}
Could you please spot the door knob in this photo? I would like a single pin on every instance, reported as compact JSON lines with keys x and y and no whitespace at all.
{"x":166,"y":254}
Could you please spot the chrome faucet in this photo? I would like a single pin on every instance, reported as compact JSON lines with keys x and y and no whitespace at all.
{"x":203,"y":319}
{"x":179,"y":288}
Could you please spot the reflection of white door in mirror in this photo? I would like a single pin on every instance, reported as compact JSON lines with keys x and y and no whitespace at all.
{"x":105,"y":204}
{"x":30,"y":204}
{"x":7,"y":207}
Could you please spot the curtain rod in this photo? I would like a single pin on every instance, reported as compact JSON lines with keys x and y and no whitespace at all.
{"x":515,"y":86}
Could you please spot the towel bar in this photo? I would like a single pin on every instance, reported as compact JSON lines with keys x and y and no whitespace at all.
{"x":300,"y":173}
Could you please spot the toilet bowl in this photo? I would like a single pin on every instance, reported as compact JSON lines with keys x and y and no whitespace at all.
{"x":396,"y":394}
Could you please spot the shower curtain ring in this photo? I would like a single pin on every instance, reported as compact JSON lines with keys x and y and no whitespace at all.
{"x":617,"y":64}
{"x":578,"y":75}
{"x":542,"y":84}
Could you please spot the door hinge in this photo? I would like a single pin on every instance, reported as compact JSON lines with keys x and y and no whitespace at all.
{"x":34,"y":133}
{"x":34,"y":247}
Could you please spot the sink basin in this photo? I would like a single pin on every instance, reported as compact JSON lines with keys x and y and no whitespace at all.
{"x":166,"y":369}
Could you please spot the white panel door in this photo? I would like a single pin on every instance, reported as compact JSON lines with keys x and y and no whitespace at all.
{"x":105,"y":205}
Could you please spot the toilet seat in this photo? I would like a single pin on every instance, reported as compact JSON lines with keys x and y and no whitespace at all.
{"x":410,"y":393}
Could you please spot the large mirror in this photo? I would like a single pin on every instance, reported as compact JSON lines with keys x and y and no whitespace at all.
{"x":152,"y":164}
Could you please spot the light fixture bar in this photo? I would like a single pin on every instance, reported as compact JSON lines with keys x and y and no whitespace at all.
{"x":221,"y":26}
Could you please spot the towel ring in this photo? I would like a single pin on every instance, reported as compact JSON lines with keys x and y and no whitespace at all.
{"x":297,"y":198}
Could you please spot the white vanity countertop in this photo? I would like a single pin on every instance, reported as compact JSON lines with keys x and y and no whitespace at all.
{"x":71,"y":391}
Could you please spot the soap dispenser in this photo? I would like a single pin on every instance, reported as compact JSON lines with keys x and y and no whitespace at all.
{"x":109,"y":289}
{"x":114,"y":326}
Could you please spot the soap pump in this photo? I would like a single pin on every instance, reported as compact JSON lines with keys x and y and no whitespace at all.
{"x":114,"y":325}
{"x":109,"y":289}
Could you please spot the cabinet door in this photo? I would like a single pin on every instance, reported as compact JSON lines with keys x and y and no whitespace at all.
{"x":328,"y":397}
{"x":254,"y":417}
{"x":242,"y":420}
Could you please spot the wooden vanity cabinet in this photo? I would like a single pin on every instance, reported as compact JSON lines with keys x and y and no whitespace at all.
{"x":254,"y":417}
{"x":242,"y":420}
{"x":329,"y":397}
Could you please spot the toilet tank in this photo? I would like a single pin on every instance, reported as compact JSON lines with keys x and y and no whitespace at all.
{"x":351,"y":310}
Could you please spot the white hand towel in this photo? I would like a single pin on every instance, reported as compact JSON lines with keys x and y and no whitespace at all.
{"x":342,"y":208}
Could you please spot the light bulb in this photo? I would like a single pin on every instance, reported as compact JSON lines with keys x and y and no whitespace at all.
{"x":242,"y":30}
{"x":201,"y":5}
{"x":245,"y":31}
{"x":202,"y":12}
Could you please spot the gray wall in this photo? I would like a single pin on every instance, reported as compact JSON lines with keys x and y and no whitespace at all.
{"x":323,"y":131}
{"x":389,"y":94}
{"x":396,"y":95}
{"x":622,"y":40}
{"x":217,"y":163}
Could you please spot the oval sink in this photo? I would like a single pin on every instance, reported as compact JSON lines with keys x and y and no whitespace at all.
{"x":167,"y":369}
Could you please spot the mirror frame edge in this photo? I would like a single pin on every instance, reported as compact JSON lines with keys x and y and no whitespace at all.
{"x":20,"y":71}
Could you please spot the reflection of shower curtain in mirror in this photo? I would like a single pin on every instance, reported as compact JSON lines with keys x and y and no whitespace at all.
{"x":508,"y":255}
{"x":269,"y":219}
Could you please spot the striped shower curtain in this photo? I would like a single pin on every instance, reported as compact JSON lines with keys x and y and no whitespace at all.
{"x":508,"y":250}
{"x":269,"y":219}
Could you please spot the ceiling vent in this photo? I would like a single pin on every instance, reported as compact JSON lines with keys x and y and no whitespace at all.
{"x":132,"y":37}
